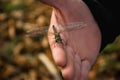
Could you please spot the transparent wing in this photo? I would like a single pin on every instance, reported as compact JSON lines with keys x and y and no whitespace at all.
{"x":72,"y":26}
{"x":37,"y":31}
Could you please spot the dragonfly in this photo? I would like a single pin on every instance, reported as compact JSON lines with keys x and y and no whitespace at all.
{"x":38,"y":31}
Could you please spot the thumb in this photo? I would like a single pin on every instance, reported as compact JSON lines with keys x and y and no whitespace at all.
{"x":59,"y":54}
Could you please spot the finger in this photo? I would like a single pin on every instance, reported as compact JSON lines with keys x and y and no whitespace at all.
{"x":68,"y":71}
{"x":58,"y":50}
{"x":59,"y":55}
{"x":85,"y":67}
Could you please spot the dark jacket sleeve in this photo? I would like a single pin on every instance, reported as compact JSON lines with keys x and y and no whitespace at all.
{"x":106,"y":21}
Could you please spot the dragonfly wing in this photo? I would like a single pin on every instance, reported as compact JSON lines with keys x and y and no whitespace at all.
{"x":73,"y":26}
{"x":37,"y":31}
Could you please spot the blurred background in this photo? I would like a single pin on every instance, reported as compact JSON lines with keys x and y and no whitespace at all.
{"x":24,"y":58}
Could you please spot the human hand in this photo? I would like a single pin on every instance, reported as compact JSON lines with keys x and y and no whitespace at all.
{"x":79,"y":48}
{"x":77,"y":51}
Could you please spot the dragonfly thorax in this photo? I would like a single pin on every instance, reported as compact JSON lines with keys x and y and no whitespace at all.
{"x":58,"y":38}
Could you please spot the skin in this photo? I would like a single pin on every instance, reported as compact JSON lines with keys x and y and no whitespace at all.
{"x":80,"y":48}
